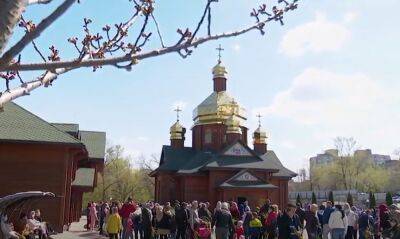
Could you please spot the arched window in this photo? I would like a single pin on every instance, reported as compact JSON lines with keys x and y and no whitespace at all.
{"x":208,"y":136}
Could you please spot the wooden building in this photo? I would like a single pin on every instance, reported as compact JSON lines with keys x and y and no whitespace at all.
{"x":39,"y":156}
{"x":220,"y":166}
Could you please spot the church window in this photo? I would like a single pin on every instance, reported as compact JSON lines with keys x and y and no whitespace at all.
{"x":208,"y":137}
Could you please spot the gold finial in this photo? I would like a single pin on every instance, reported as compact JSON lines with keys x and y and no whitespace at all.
{"x":219,"y":49}
{"x":178,"y":110}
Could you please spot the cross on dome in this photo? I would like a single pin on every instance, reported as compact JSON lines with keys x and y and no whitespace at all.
{"x":219,"y":49}
{"x":259,"y":119}
{"x":177,"y":110}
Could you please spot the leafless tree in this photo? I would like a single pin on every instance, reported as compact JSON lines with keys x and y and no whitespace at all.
{"x":113,"y":46}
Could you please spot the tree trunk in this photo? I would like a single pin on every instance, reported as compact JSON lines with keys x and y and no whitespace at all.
{"x":10,"y":13}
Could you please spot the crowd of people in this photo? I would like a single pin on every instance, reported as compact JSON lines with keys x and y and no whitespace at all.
{"x":27,"y":226}
{"x":228,"y":220}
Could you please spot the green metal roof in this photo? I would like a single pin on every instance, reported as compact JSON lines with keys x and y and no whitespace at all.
{"x":95,"y":143}
{"x":18,"y":124}
{"x":283,"y":172}
{"x":66,"y":127}
{"x":84,"y":177}
{"x":187,"y":161}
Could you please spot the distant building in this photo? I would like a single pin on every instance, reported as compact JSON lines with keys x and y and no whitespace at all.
{"x":362,"y":154}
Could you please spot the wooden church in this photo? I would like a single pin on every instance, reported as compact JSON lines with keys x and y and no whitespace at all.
{"x":220,"y":166}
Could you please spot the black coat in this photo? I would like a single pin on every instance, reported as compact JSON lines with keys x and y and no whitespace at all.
{"x":285,"y":229}
{"x":181,"y":218}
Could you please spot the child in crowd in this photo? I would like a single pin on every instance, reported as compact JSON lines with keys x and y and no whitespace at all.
{"x":204,"y":230}
{"x":114,"y":224}
{"x":239,"y":230}
{"x":255,"y":227}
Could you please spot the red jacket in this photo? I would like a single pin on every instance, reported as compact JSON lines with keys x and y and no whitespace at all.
{"x":127,"y":209}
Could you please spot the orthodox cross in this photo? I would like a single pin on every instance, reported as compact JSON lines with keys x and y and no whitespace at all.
{"x":259,"y":119}
{"x":219,"y":49}
{"x":178,"y":110}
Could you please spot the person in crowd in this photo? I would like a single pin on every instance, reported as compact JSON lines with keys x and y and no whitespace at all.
{"x":301,"y":213}
{"x":165,"y":225}
{"x":234,"y":210}
{"x":102,"y":216}
{"x":21,"y":226}
{"x":181,"y":218}
{"x":395,"y":225}
{"x":129,"y":227}
{"x":204,"y":230}
{"x":338,"y":223}
{"x":92,"y":216}
{"x":147,"y":218}
{"x":248,"y":216}
{"x":312,"y":222}
{"x":137,"y":223}
{"x":37,"y":227}
{"x":320,"y":215}
{"x":255,"y":226}
{"x":289,"y":224}
{"x":271,"y":222}
{"x":265,"y":208}
{"x":217,"y":207}
{"x":223,"y":222}
{"x":365,"y":222}
{"x":114,"y":224}
{"x":126,"y":209}
{"x":88,"y":216}
{"x":204,"y":213}
{"x":325,"y":219}
{"x":239,"y":231}
{"x":8,"y":229}
{"x":352,"y":219}
{"x":384,"y":220}
{"x":193,"y":217}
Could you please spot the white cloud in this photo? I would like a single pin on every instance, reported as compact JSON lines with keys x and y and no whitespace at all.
{"x":236,"y":47}
{"x":350,"y":16}
{"x":319,"y":96}
{"x":320,"y":105}
{"x":317,"y":36}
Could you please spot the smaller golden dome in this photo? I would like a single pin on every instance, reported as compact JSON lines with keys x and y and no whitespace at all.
{"x":233,"y":125}
{"x":176,"y":131}
{"x":260,"y":136}
{"x":219,"y":71}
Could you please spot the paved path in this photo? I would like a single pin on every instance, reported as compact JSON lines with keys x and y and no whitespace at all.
{"x":77,"y":231}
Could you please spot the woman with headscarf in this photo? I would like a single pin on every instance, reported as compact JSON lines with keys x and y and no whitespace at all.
{"x":234,"y":210}
{"x":223,"y":222}
{"x":164,"y":226}
{"x":92,"y":216}
{"x":395,"y":223}
{"x":338,"y":223}
{"x":352,"y":219}
{"x":384,"y":222}
{"x":312,"y":222}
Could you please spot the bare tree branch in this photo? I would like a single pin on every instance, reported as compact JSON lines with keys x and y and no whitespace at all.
{"x":95,"y":46}
{"x":10,"y":12}
{"x":128,"y":58}
{"x":30,"y":36}
{"x":30,"y":2}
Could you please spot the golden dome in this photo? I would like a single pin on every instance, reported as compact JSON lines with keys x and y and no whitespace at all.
{"x":217,"y":108}
{"x":233,"y":125}
{"x":219,"y":71}
{"x":260,"y":136}
{"x":176,"y":131}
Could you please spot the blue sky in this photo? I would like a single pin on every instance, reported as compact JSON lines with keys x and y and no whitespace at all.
{"x":331,"y":70}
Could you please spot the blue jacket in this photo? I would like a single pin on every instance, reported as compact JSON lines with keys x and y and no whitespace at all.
{"x":327,"y":215}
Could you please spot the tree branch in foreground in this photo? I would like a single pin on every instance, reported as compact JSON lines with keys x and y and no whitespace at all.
{"x":94,"y":46}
